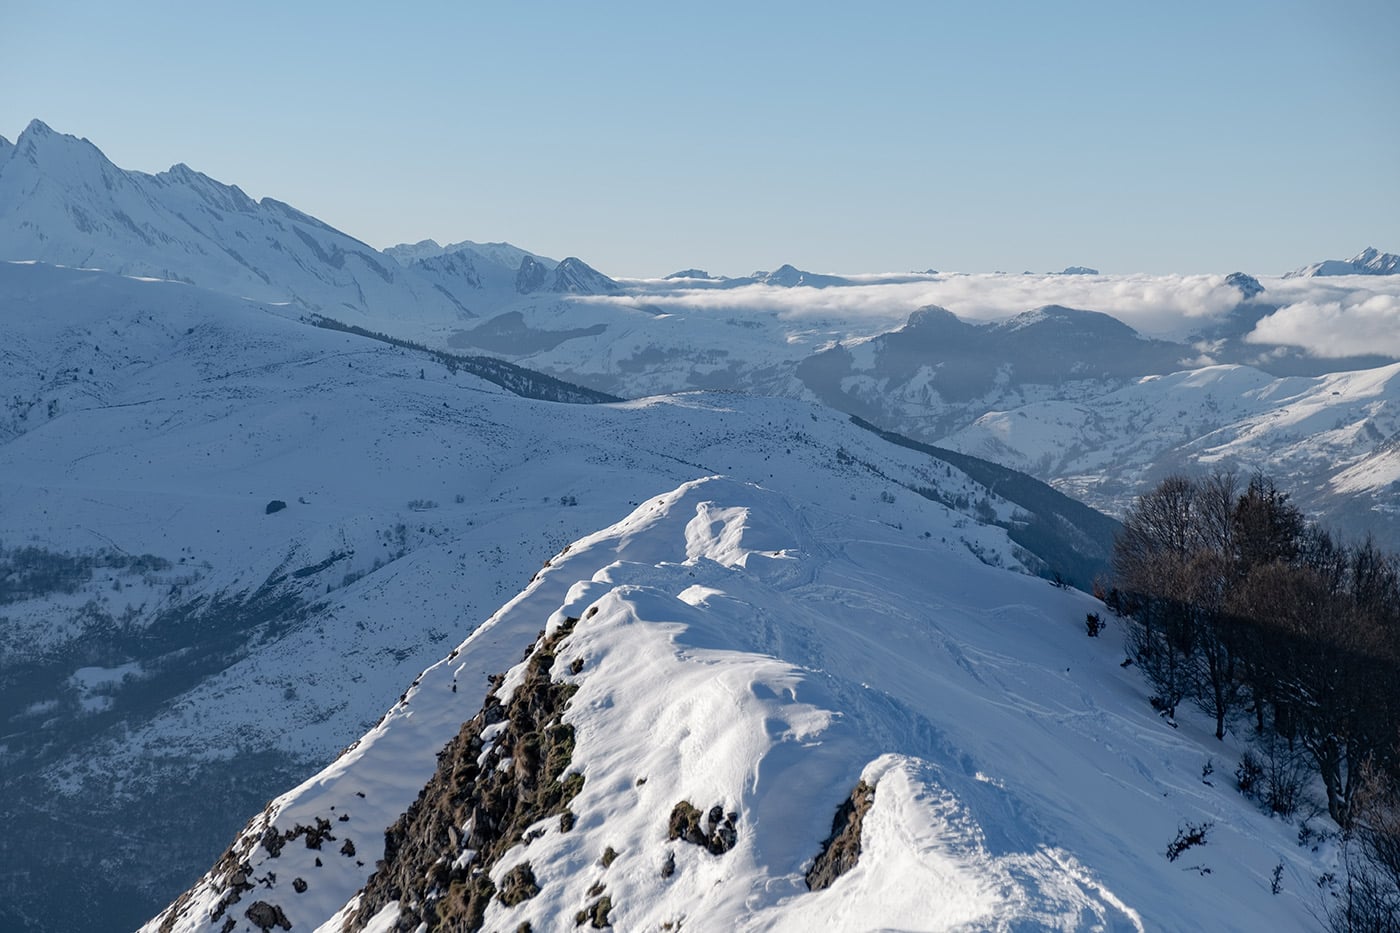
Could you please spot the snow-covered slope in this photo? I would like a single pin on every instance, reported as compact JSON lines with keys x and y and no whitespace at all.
{"x":1331,"y":439}
{"x":759,"y":655}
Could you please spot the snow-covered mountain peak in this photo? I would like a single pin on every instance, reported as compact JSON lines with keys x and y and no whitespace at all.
{"x":37,"y":130}
{"x":933,"y":318}
{"x":576,"y":277}
{"x":1247,"y":284}
{"x":1068,"y":321}
{"x":1376,"y":262}
{"x":43,"y":153}
{"x":789,"y":276}
{"x":1370,"y":261}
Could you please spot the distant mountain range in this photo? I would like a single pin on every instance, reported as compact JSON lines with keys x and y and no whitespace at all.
{"x":1370,"y":261}
{"x":930,"y":375}
{"x":63,"y":202}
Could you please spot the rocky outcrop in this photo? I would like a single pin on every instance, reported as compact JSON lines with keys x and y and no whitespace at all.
{"x":718,"y":834}
{"x":841,"y":851}
{"x":530,"y":276}
{"x":500,"y":776}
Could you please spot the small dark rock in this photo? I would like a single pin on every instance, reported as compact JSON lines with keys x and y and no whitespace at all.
{"x":596,"y":914}
{"x":348,"y":849}
{"x":272,"y":841}
{"x":518,"y":885}
{"x":265,"y":916}
{"x":276,"y":505}
{"x":299,"y":885}
{"x":668,"y":867}
{"x":719,"y":834}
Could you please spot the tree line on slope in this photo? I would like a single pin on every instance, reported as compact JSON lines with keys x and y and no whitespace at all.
{"x":1247,"y":610}
{"x":526,"y":383}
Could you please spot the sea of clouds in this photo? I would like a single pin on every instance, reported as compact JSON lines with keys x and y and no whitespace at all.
{"x":1327,"y":316}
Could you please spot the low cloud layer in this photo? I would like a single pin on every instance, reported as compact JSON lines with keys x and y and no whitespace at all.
{"x":1155,"y":304}
{"x":1357,"y":324}
{"x":1326,"y":316}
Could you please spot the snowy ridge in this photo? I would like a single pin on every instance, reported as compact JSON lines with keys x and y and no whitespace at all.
{"x":1020,"y":780}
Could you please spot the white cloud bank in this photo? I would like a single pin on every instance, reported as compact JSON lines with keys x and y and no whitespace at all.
{"x":1328,"y":316}
{"x":1356,"y":324}
{"x":1170,"y":305}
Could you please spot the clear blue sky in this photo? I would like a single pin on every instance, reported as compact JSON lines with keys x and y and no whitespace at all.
{"x":645,"y":137}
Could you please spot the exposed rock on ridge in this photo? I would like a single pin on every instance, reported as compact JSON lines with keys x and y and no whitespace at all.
{"x":503,"y":773}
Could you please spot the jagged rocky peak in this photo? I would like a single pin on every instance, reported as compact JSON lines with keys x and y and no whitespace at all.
{"x":38,"y":130}
{"x":58,"y":155}
{"x":1248,"y":285}
{"x":1374,"y":262}
{"x":39,"y":137}
{"x":576,"y":277}
{"x":1079,"y":270}
{"x":530,"y":276}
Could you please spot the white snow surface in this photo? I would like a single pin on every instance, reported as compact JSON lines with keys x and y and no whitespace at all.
{"x":764,"y":653}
